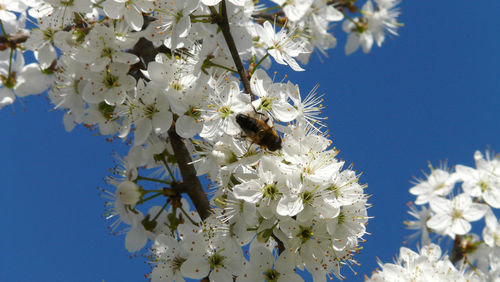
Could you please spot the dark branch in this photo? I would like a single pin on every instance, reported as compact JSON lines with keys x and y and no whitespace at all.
{"x":191,"y":183}
{"x":223,"y":23}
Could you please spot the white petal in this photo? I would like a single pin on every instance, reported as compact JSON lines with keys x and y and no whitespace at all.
{"x":492,"y":197}
{"x":33,"y":81}
{"x":475,"y":212}
{"x":162,"y":121}
{"x":289,"y":205}
{"x":249,"y":191}
{"x":46,"y":55}
{"x":439,"y":222}
{"x":440,"y":205}
{"x":162,"y":273}
{"x":187,"y":127}
{"x":460,"y":226}
{"x":195,"y":267}
{"x":142,"y":131}
{"x":220,"y":274}
{"x":210,"y":2}
{"x":126,"y":58}
{"x":284,"y":111}
{"x":261,"y":258}
{"x":352,"y":43}
{"x":133,"y":17}
{"x":7,"y":97}
{"x":136,"y":239}
{"x":112,"y":9}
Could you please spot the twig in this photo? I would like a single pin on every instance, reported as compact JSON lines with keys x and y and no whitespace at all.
{"x":223,"y":22}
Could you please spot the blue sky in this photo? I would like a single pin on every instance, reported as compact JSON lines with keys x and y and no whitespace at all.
{"x":431,"y":94}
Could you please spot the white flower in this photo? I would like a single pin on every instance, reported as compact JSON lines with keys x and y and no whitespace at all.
{"x":282,"y":46}
{"x":137,"y":236}
{"x":491,"y":232}
{"x":103,"y":115}
{"x":67,"y":90}
{"x":57,"y":14}
{"x":11,"y":23}
{"x":308,"y":109}
{"x":23,"y":80}
{"x":104,"y":46}
{"x":170,"y":256}
{"x":132,"y":10}
{"x":263,"y":267}
{"x":420,"y":224}
{"x":453,"y":217}
{"x":173,"y":22}
{"x":265,"y":186}
{"x":212,"y":249}
{"x":363,"y":32}
{"x":349,"y":226}
{"x":294,"y":9}
{"x":482,"y":182}
{"x":109,"y":85}
{"x":438,"y":183}
{"x":220,"y":113}
{"x":272,"y":98}
{"x":426,"y":266}
{"x":384,"y":19}
{"x":149,"y":111}
{"x":175,"y":77}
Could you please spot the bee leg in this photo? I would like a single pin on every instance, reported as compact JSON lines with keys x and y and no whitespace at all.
{"x":262,"y":114}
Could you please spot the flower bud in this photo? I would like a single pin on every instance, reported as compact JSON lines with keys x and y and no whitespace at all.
{"x":128,"y":192}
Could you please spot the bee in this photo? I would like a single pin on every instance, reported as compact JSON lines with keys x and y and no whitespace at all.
{"x":259,"y":132}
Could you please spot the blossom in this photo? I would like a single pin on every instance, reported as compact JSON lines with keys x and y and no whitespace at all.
{"x":372,"y":27}
{"x":149,"y":111}
{"x":482,"y":182}
{"x":109,"y":85}
{"x":438,"y":183}
{"x":263,"y":267}
{"x":283,"y":47}
{"x":453,"y":217}
{"x":90,"y":54}
{"x":272,"y":98}
{"x":427,"y":265}
{"x":221,"y":110}
{"x":170,"y":256}
{"x":294,"y":10}
{"x":19,"y":79}
{"x":59,"y":13}
{"x":131,"y":10}
{"x":173,"y":19}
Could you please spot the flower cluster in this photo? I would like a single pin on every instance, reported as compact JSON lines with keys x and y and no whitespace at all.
{"x":183,"y":83}
{"x":428,"y":265}
{"x":450,"y":211}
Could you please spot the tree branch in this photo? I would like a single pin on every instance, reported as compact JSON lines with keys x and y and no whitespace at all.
{"x":192,"y":185}
{"x":223,"y":22}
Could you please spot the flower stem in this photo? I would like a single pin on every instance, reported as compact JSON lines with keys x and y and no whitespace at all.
{"x":3,"y":31}
{"x":150,"y":197}
{"x":258,"y":64}
{"x":188,"y":217}
{"x":222,"y":67}
{"x":168,"y":168}
{"x":153,"y":179}
{"x":158,"y":214}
